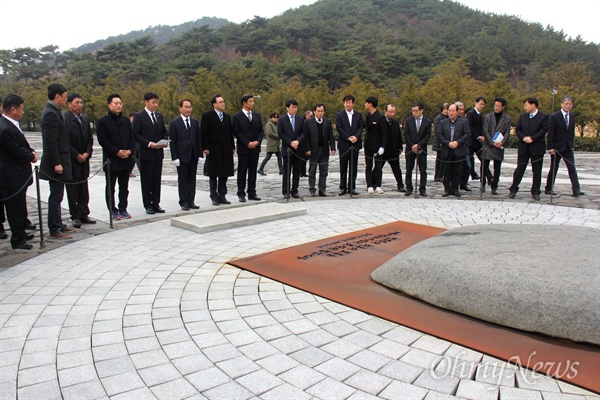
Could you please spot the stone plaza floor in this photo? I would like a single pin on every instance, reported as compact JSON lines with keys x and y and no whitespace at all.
{"x":151,"y":311}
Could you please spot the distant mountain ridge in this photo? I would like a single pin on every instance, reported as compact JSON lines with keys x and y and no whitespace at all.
{"x":159,"y":33}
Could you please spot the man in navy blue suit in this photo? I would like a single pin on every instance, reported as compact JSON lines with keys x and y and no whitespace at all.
{"x":184,"y":132}
{"x":561,"y":134}
{"x":248,"y":129}
{"x":289,"y":129}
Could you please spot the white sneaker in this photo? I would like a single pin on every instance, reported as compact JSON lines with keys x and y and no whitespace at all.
{"x":370,"y":190}
{"x":379,"y":190}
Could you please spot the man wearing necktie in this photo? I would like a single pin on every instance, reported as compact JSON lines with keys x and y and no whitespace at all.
{"x":149,"y":128}
{"x":82,"y":144}
{"x":318,"y":145}
{"x":561,"y":135}
{"x":248,"y":130}
{"x":186,"y":151}
{"x":289,"y":129}
{"x":15,"y":170}
{"x":219,"y":147}
{"x":531,"y":130}
{"x":417,"y":130}
{"x":56,"y":166}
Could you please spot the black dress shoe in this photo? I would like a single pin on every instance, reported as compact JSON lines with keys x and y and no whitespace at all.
{"x":215,"y":202}
{"x":76,"y":222}
{"x":401,"y":189}
{"x":150,"y":210}
{"x":242,"y":199}
{"x":86,"y":219}
{"x":456,"y":193}
{"x":342,"y":192}
{"x":475,"y":177}
{"x":158,"y":209}
{"x":578,"y":193}
{"x":494,"y":191}
{"x":354,"y":193}
{"x":408,"y":192}
{"x":423,"y":193}
{"x":312,"y":194}
{"x":261,"y":172}
{"x":29,"y":226}
{"x":22,"y":246}
{"x":295,"y":195}
{"x":466,"y":188}
{"x":512,"y":195}
{"x":194,"y":207}
{"x":185,"y":207}
{"x":224,"y":201}
{"x":322,"y":194}
{"x":535,"y":196}
{"x":28,"y":236}
{"x":255,"y":198}
{"x":446,"y":194}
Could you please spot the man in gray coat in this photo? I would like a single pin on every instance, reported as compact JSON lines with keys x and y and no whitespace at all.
{"x":56,"y":165}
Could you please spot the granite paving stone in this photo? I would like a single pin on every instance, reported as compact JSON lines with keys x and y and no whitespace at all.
{"x":166,"y":318}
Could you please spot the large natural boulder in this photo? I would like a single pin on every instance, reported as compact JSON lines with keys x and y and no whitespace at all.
{"x":530,"y":277}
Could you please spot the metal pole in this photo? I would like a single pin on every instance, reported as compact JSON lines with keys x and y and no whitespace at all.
{"x":39,"y":203}
{"x":416,"y":173}
{"x":110,"y":195}
{"x":350,"y":177}
{"x":481,"y":177}
{"x":289,"y":175}
{"x":552,"y":157}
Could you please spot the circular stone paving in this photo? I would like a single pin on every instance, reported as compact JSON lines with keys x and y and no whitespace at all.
{"x":534,"y":278}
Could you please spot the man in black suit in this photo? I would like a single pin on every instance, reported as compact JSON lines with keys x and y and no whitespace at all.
{"x":375,"y":141}
{"x":289,"y":129}
{"x":561,"y":135}
{"x":115,"y":135}
{"x":186,"y":150}
{"x":319,"y":143}
{"x":393,"y":149}
{"x":438,"y":175}
{"x":531,"y":130}
{"x":349,"y":125}
{"x":82,"y":144}
{"x":219,"y":147}
{"x":248,"y":129}
{"x":453,"y":134}
{"x":149,"y":129}
{"x":475,"y":118}
{"x":56,"y":166}
{"x":16,"y":157}
{"x":417,"y":130}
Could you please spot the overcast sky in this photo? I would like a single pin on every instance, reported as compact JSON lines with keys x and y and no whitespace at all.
{"x":85,"y":21}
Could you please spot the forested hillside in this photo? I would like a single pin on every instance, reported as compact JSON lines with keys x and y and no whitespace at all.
{"x":399,"y":50}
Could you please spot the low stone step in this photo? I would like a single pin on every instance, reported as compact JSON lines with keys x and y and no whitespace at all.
{"x":237,"y":217}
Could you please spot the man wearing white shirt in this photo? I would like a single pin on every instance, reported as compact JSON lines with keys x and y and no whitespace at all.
{"x":349,"y":125}
{"x":561,"y":134}
{"x":184,"y":132}
{"x":248,"y":130}
{"x":15,"y":170}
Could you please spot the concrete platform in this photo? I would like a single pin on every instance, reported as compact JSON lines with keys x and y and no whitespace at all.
{"x":237,"y":217}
